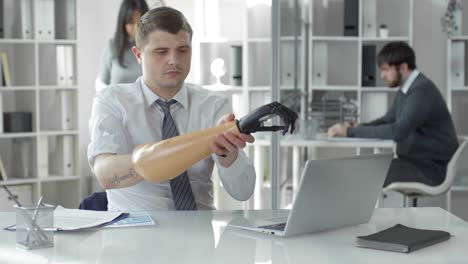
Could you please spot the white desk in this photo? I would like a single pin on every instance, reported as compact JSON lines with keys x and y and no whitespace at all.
{"x":296,"y":143}
{"x":202,"y":237}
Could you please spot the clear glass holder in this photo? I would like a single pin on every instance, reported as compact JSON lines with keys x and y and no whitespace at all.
{"x":35,"y":226}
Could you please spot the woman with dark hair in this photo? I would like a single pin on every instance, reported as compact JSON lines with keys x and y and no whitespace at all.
{"x":118,"y":64}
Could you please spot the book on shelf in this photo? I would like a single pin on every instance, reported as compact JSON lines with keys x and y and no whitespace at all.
{"x":2,"y":80}
{"x":6,"y":68}
{"x":400,"y":238}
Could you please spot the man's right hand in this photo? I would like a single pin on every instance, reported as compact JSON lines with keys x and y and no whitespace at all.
{"x":338,"y":130}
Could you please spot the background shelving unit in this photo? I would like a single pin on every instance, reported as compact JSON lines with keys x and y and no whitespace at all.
{"x":344,"y":43}
{"x":457,"y":82}
{"x":39,"y":37}
{"x":317,"y":58}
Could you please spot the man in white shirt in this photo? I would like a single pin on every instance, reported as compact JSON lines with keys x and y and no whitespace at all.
{"x":127,"y":115}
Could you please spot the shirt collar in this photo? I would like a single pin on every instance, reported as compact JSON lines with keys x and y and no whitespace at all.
{"x":181,"y":97}
{"x":410,"y":81}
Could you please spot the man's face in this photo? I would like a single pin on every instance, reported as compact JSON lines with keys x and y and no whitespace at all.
{"x":391,"y":75}
{"x":165,"y":59}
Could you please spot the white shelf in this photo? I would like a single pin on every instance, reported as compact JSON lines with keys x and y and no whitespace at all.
{"x":460,"y":89}
{"x":58,"y":41}
{"x":379,"y":89}
{"x":289,"y":38}
{"x":59,"y":133}
{"x":261,"y":40}
{"x":55,"y":178}
{"x":17,"y":41}
{"x":16,"y":181}
{"x":335,"y":38}
{"x":335,"y":88}
{"x":259,"y":88}
{"x":459,"y":38}
{"x":18,"y":135}
{"x":17,"y":88}
{"x":388,"y":39}
{"x":57,"y":87}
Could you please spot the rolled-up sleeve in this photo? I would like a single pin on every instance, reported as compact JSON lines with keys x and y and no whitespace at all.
{"x":108,"y":134}
{"x":239,"y":178}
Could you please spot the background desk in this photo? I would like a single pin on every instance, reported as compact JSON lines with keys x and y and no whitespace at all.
{"x":202,"y":237}
{"x":298,"y":144}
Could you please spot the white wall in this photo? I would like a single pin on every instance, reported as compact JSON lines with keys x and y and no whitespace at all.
{"x":96,"y":24}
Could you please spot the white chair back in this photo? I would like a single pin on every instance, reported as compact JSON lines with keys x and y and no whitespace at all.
{"x":458,"y":165}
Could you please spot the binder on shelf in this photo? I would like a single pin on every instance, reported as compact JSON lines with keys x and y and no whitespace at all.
{"x":65,"y":24}
{"x":458,"y":64}
{"x":1,"y":113}
{"x":351,"y":13}
{"x":236,"y":65}
{"x":43,"y":157}
{"x":369,"y":18}
{"x":287,"y":64}
{"x":6,"y":68}
{"x":66,"y":106}
{"x":400,"y":238}
{"x":61,"y":67}
{"x":2,"y":29}
{"x":69,"y":65}
{"x":8,"y":18}
{"x":45,"y":19}
{"x":369,"y":62}
{"x":64,"y":155}
{"x":26,"y":22}
{"x":320,"y":63}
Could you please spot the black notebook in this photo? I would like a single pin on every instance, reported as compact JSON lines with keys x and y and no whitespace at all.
{"x":401,"y":238}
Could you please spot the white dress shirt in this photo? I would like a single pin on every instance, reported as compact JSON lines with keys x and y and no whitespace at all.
{"x":125,"y":115}
{"x":414,"y":74}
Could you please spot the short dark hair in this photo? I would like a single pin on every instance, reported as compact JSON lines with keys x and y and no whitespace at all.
{"x":396,"y":53}
{"x":121,"y":38}
{"x":161,"y":18}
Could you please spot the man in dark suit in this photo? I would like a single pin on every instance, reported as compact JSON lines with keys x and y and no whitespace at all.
{"x":418,"y":121}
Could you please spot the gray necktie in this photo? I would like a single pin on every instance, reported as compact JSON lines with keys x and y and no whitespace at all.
{"x":180,"y":186}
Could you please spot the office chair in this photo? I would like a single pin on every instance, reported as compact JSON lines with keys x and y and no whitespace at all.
{"x":95,"y":202}
{"x":414,"y":190}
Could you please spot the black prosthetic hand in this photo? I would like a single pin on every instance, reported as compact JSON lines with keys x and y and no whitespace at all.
{"x":254,"y":121}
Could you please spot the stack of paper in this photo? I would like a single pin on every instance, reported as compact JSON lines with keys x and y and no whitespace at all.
{"x":75,"y":219}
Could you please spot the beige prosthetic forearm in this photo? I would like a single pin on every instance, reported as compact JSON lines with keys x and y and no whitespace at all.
{"x":167,"y":159}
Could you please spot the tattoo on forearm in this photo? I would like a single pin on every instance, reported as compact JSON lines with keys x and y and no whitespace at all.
{"x":116,"y":180}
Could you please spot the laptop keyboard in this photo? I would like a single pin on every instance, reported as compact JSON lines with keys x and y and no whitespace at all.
{"x":279,"y":227}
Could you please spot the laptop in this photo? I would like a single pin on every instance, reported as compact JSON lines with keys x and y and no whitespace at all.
{"x":333,"y":193}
